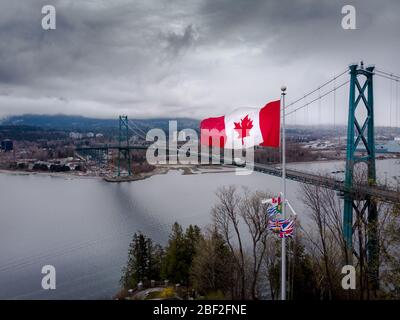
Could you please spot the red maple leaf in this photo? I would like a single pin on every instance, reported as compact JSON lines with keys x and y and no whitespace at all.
{"x":243,"y":128}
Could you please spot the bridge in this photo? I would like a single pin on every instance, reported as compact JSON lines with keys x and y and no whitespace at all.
{"x":377,"y":192}
{"x":360,"y":133}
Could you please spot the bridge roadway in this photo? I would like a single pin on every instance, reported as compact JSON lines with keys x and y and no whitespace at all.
{"x":331,"y":183}
{"x":303,"y":177}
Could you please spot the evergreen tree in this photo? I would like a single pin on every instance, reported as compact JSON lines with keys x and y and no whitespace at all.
{"x":144,"y":261}
{"x":156,"y":261}
{"x":210,"y":264}
{"x":174,"y":264}
{"x":192,"y":238}
{"x":303,"y":283}
{"x":179,"y":253}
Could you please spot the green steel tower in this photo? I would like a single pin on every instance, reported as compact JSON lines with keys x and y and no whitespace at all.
{"x":123,"y":144}
{"x":360,"y":133}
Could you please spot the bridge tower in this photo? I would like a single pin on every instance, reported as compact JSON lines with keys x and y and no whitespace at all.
{"x":360,"y":132}
{"x":123,"y":144}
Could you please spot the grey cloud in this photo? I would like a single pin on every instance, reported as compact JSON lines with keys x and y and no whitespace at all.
{"x":178,"y":42}
{"x":182,"y":58}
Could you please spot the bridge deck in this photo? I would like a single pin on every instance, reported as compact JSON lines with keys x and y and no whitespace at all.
{"x":330,"y":183}
{"x":304,"y":177}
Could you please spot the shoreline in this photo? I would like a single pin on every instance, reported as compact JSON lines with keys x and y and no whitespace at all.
{"x":336,"y":160}
{"x":48,"y":174}
{"x":163,"y":169}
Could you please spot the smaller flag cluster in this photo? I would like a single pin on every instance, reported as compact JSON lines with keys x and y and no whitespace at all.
{"x":275,"y":208}
{"x":284,"y":227}
{"x":287,"y":229}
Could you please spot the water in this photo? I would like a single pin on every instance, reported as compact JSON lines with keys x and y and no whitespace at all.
{"x":388,"y":170}
{"x":84,"y":226}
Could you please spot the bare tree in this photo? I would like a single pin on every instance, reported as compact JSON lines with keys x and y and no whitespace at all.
{"x":327,"y":241}
{"x":226,"y":220}
{"x":212,"y":259}
{"x":389,"y":237}
{"x":326,"y":212}
{"x":271,"y":264}
{"x":254,"y":215}
{"x":232,"y":212}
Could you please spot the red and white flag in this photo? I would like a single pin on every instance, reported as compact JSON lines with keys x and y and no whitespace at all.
{"x":274,"y":200}
{"x":244,"y":128}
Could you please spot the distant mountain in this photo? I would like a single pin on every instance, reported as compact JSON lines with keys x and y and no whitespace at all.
{"x":57,"y":121}
{"x":79,"y":123}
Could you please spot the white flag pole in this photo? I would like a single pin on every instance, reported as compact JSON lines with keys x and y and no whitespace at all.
{"x":283,"y":258}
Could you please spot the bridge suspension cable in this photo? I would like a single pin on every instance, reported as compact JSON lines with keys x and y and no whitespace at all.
{"x":318,"y":98}
{"x":136,"y":126}
{"x":319,"y":105}
{"x":394,"y":80}
{"x":334,"y":104}
{"x":388,"y":74}
{"x":135,"y":131}
{"x":397,"y":104}
{"x":317,"y":89}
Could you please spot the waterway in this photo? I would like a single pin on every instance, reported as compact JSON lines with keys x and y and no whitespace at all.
{"x":83,"y":226}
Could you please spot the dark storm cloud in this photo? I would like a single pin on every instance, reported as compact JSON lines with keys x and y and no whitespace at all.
{"x":178,"y":42}
{"x":181,"y":58}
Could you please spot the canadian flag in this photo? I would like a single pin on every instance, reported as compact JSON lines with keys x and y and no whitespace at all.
{"x":274,"y":201}
{"x":243,"y":128}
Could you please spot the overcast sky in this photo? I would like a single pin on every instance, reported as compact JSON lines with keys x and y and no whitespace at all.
{"x":184,"y":58}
